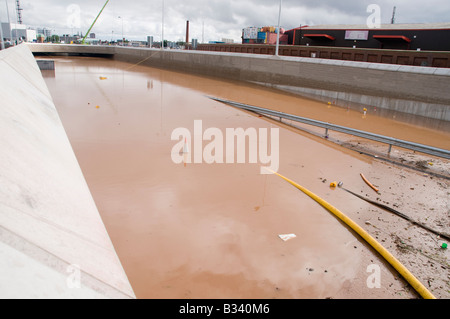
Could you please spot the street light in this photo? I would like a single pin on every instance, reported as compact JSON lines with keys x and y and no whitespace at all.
{"x":9,"y":23}
{"x":122,"y":31}
{"x":162,"y":27}
{"x":2,"y":42}
{"x":278,"y":33}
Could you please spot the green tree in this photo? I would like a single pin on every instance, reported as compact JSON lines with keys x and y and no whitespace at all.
{"x":53,"y":39}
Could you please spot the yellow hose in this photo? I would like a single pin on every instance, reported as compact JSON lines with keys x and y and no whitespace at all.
{"x":413,"y":281}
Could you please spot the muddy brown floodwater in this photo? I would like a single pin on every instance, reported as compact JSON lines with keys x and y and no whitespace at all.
{"x":212,"y":230}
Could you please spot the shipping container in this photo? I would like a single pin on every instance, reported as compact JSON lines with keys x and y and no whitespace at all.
{"x":262,"y":35}
{"x":268,"y":29}
{"x":271,"y":38}
{"x":250,"y":33}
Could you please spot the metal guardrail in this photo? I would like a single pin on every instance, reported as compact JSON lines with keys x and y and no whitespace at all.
{"x":342,"y":129}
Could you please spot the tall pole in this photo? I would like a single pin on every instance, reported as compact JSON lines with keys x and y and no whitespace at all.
{"x":9,"y":22}
{"x":393,"y":15}
{"x":2,"y":45}
{"x":278,"y":32}
{"x":84,"y":39}
{"x":16,"y":36}
{"x":121,"y":18}
{"x":19,"y":13}
{"x":187,"y":35}
{"x":162,"y":27}
{"x":203,"y":32}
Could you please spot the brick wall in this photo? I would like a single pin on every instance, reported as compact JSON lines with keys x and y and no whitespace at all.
{"x":438,"y":59}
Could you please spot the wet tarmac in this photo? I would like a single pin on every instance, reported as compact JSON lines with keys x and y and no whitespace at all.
{"x":212,"y":230}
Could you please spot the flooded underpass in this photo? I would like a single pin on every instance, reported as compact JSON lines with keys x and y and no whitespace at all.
{"x":194,"y":229}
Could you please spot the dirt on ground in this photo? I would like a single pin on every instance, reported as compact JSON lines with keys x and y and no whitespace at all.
{"x":417,"y":186}
{"x":414,"y":184}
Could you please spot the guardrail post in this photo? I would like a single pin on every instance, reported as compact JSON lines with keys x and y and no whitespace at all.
{"x":390,"y":149}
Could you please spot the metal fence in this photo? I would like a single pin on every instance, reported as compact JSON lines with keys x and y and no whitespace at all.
{"x":342,"y":129}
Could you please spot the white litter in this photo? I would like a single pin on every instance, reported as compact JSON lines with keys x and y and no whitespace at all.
{"x":286,"y":237}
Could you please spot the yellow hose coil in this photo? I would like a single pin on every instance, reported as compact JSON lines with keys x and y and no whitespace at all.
{"x":413,"y":281}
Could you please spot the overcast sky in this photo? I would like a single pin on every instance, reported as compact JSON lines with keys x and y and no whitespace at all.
{"x":210,"y":19}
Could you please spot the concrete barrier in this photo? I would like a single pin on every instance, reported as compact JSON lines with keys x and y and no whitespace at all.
{"x":53,"y":243}
{"x":385,"y":86}
{"x":408,"y":89}
{"x":70,"y":49}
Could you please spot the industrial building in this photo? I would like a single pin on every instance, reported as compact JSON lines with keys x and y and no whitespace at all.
{"x":401,"y":44}
{"x":427,"y":37}
{"x":264,"y":35}
{"x":18,"y":32}
{"x":45,"y":32}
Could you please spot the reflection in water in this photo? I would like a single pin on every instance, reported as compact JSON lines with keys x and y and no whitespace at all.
{"x":207,"y":230}
{"x":384,"y":113}
{"x":48,"y":73}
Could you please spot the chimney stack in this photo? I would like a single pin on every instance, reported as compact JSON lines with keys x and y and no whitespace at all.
{"x":187,"y":35}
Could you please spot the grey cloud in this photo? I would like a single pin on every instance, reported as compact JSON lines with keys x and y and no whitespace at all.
{"x":220,"y":18}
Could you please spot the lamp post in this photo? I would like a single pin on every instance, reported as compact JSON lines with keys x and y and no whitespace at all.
{"x":278,"y":31}
{"x":9,"y":22}
{"x":2,"y":44}
{"x":162,"y":27}
{"x":123,"y":42}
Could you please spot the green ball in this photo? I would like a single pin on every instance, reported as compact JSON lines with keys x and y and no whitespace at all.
{"x":444,"y":245}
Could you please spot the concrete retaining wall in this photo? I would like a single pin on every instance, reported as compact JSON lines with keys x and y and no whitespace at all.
{"x":383,"y":84}
{"x":439,"y":59}
{"x":425,"y":114}
{"x":412,"y":90}
{"x":53,"y":243}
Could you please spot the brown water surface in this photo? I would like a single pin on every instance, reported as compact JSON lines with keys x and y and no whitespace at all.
{"x":211,"y":230}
